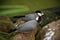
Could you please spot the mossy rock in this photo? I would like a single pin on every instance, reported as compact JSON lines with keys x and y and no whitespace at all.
{"x":5,"y":24}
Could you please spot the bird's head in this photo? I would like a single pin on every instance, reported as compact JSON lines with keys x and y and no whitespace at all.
{"x":39,"y":13}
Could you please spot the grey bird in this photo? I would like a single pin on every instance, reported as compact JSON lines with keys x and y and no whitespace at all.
{"x":32,"y":16}
{"x":32,"y":21}
{"x":26,"y":27}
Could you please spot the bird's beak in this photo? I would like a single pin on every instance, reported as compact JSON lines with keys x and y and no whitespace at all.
{"x":40,"y":14}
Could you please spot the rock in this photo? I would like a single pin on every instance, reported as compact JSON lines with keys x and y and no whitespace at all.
{"x":51,"y":31}
{"x":5,"y":27}
{"x":5,"y":24}
{"x":25,"y":36}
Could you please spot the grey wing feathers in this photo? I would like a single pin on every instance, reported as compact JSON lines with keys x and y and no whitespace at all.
{"x":30,"y":25}
{"x":30,"y":17}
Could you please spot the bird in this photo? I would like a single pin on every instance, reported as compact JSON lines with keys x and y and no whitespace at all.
{"x":28,"y":26}
{"x":32,"y":21}
{"x":31,"y":16}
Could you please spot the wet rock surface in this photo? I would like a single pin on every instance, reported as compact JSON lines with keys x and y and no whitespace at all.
{"x":24,"y":36}
{"x":51,"y":31}
{"x":5,"y":24}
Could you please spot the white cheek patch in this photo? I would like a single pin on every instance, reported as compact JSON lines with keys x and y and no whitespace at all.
{"x":39,"y":14}
{"x":37,"y":18}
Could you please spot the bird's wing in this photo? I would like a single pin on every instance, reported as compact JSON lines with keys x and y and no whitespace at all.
{"x":30,"y":25}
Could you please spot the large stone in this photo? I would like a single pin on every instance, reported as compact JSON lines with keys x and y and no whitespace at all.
{"x":51,"y":31}
{"x":5,"y":24}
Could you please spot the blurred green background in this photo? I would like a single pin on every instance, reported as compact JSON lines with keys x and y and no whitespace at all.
{"x":32,"y":4}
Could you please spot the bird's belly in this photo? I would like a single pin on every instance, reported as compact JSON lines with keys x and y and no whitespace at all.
{"x":28,"y":26}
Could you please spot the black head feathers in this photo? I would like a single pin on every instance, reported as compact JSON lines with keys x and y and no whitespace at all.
{"x":38,"y":11}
